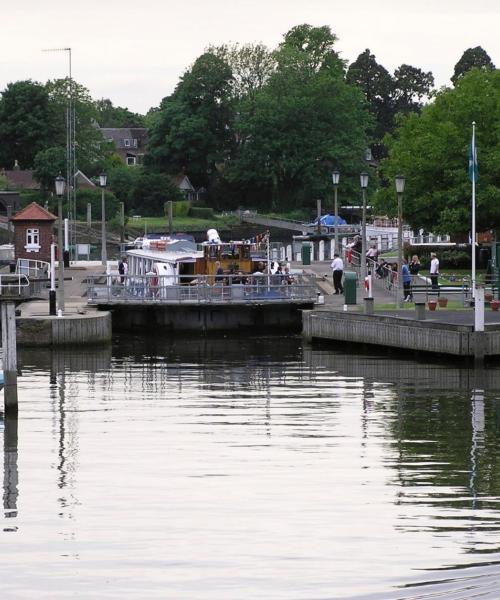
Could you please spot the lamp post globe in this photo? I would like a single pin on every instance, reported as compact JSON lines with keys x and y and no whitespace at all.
{"x":335,"y":181}
{"x":363,"y":180}
{"x":399,"y":181}
{"x":103,"y":178}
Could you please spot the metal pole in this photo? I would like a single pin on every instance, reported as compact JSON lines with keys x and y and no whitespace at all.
{"x":318,"y":208}
{"x":60,"y":272}
{"x":169,"y":209}
{"x":363,"y":243}
{"x":52,"y":292}
{"x":122,"y":222}
{"x":336,"y":211}
{"x":89,"y":226}
{"x":400,"y":251}
{"x":104,"y":254}
{"x":473,"y":236}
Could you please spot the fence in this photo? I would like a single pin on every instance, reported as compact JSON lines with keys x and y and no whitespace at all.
{"x":232,"y":289}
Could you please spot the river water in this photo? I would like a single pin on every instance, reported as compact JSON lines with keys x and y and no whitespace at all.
{"x":249,"y":468}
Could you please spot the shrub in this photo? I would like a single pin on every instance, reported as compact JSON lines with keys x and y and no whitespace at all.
{"x":179,"y":208}
{"x":200,"y":212}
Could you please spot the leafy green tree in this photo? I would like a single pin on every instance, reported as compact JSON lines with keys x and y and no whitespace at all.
{"x":192,"y":131}
{"x":94,"y":198}
{"x":27,"y":123}
{"x":151,"y":192}
{"x":303,"y":121}
{"x":377,"y":86}
{"x":91,"y":150}
{"x":122,"y":181}
{"x":470,"y":59}
{"x":47,"y":166}
{"x":431,"y":150}
{"x":410,"y":86}
{"x":116,"y":116}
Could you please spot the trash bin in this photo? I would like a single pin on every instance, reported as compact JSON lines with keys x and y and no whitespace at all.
{"x":350,"y":287}
{"x":306,"y":254}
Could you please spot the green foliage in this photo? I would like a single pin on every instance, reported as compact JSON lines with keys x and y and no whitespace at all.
{"x":179,"y":208}
{"x":27,"y":123}
{"x":47,"y":166}
{"x":201,"y":212}
{"x":116,"y":116}
{"x":388,"y":95}
{"x":430,"y":149}
{"x":472,"y":58}
{"x":151,"y":192}
{"x":122,"y":181}
{"x":94,"y":198}
{"x":4,"y":184}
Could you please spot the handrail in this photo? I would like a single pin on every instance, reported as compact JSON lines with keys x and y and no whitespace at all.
{"x":32,"y":267}
{"x":168,"y":289}
{"x":11,"y":282}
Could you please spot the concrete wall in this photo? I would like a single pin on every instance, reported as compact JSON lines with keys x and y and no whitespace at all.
{"x":389,"y":332}
{"x":93,"y":328}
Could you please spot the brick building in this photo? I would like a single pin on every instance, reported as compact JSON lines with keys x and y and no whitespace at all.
{"x":33,"y":232}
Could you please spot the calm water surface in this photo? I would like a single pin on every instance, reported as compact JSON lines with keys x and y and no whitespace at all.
{"x":249,"y":468}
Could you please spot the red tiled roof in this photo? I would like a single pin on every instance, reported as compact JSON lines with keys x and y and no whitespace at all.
{"x":34,"y":212}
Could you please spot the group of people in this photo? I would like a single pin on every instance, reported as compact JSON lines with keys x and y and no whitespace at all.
{"x":279,"y":274}
{"x":409,"y":271}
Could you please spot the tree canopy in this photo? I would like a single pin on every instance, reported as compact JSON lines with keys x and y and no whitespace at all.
{"x":472,"y":58}
{"x":431,"y":150}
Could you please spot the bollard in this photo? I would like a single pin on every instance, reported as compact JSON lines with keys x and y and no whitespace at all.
{"x":420,"y":311}
{"x":9,"y":348}
{"x":368,"y":306}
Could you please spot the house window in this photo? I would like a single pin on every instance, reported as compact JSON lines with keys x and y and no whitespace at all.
{"x":135,"y":143}
{"x":126,"y":142}
{"x":32,"y":240}
{"x":131,"y":161}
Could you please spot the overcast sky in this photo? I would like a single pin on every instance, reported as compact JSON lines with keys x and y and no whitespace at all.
{"x":133,"y":51}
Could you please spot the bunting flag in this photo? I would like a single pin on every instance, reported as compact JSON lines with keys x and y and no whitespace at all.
{"x":473,"y":170}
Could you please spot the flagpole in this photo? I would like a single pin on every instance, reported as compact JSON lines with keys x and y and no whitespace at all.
{"x":474,"y":209}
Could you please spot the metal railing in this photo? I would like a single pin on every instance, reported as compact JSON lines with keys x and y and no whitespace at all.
{"x":14,"y":286}
{"x":32,"y":268}
{"x":229,"y":289}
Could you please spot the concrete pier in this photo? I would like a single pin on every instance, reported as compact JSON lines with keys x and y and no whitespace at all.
{"x":452,"y":333}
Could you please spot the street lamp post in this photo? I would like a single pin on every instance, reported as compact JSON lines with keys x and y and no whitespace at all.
{"x":60,"y":185}
{"x":400,"y":188}
{"x":335,"y":180}
{"x":104,"y":255}
{"x":363,"y":178}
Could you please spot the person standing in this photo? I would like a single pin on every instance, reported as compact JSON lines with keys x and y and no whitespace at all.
{"x":338,"y":271}
{"x":405,"y":272}
{"x":434,"y":272}
{"x":414,"y":268}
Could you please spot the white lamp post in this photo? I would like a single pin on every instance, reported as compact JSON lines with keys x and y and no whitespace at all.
{"x":400,"y":188}
{"x":60,"y":184}
{"x":104,"y":255}
{"x":335,"y":180}
{"x":363,"y":179}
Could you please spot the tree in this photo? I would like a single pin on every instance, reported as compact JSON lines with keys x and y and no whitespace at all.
{"x":91,"y":150}
{"x":430,"y":149}
{"x":470,"y":59}
{"x":116,"y":116}
{"x":192,"y":131}
{"x":27,"y":123}
{"x":47,"y":166}
{"x":303,"y":121}
{"x":410,"y":86}
{"x":151,"y":192}
{"x":377,"y":86}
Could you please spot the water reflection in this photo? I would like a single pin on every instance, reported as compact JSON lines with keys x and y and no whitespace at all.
{"x":10,"y":468}
{"x":299,"y":467}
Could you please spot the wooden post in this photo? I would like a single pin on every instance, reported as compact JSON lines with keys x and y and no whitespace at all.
{"x":122,"y":222}
{"x":10,"y":469}
{"x":170,"y":212}
{"x":8,"y":310}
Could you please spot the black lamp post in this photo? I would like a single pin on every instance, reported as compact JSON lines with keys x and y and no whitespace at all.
{"x":104,"y":254}
{"x":60,"y":185}
{"x":335,"y":180}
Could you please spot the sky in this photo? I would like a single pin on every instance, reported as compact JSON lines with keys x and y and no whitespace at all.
{"x":134,"y":51}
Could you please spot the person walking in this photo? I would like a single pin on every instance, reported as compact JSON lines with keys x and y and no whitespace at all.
{"x":338,"y":271}
{"x":434,"y":272}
